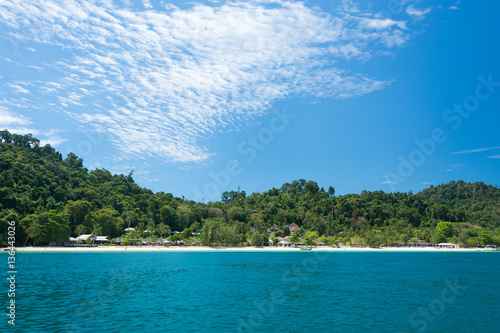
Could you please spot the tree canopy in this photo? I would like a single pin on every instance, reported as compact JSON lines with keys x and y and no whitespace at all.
{"x":52,"y":198}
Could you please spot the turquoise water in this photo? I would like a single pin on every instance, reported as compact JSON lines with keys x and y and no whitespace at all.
{"x":257,"y":292}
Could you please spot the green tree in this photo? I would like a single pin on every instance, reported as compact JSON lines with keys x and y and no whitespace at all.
{"x":294,"y":238}
{"x":77,"y":210}
{"x":446,"y":228}
{"x":212,"y":232}
{"x":260,"y":239}
{"x":79,"y":230}
{"x":310,"y":236}
{"x":34,"y":229}
{"x":150,"y":228}
{"x":163,"y":230}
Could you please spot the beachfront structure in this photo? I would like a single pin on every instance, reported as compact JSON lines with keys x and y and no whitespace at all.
{"x":101,"y":239}
{"x":84,"y":237}
{"x":127,"y":230}
{"x":95,"y":239}
{"x":447,"y":245}
{"x":423,"y":243}
{"x":285,"y":242}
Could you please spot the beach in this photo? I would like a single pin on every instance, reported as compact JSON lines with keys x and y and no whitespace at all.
{"x":235,"y":249}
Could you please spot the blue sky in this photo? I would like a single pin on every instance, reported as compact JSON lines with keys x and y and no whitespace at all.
{"x":204,"y":97}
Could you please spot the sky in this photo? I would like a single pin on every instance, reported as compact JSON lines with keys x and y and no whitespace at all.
{"x":197,"y":98}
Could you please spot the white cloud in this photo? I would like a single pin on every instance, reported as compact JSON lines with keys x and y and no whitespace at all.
{"x":9,"y":119}
{"x":18,"y":124}
{"x":389,"y":182}
{"x":158,"y":82}
{"x":478,"y":150}
{"x":54,"y":141}
{"x":379,"y":24}
{"x":417,"y":14}
{"x":455,"y":167}
{"x":18,"y":89}
{"x":147,"y":4}
{"x":494,"y":156}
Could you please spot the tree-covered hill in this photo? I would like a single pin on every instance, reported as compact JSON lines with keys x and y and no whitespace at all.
{"x":52,"y":198}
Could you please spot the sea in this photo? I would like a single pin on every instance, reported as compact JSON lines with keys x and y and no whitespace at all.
{"x":303,"y":291}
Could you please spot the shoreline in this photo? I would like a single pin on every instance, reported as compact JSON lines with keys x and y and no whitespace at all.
{"x":104,"y":249}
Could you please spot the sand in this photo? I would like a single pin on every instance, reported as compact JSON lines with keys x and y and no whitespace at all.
{"x":232,"y":249}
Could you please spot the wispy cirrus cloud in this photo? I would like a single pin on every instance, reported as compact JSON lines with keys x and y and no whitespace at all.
{"x":477,"y":150}
{"x":9,"y":119}
{"x":417,"y":14}
{"x":158,"y":81}
{"x":16,"y":123}
{"x":455,"y":167}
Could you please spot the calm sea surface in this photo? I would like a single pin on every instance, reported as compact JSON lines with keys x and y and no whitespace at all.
{"x":256,"y":292}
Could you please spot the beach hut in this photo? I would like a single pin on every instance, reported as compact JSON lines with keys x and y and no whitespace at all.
{"x":84,"y":237}
{"x":300,"y":243}
{"x":285,"y":242}
{"x":447,"y":245}
{"x":101,"y":239}
{"x":423,"y":243}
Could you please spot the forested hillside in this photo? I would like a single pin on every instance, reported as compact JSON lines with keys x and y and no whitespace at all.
{"x":52,"y":198}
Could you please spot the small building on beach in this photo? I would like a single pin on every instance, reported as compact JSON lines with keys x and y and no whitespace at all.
{"x":95,"y":239}
{"x":423,"y":243}
{"x":447,"y":245}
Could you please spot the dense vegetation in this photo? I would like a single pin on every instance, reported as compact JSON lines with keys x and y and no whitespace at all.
{"x":52,"y":198}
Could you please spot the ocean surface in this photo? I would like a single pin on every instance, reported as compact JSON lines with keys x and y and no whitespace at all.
{"x":256,"y":292}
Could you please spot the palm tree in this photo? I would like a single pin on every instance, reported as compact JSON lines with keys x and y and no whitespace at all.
{"x":97,"y":230}
{"x":163,"y":230}
{"x":139,"y":229}
{"x":34,"y":230}
{"x":294,"y":238}
{"x":79,"y":230}
{"x":151,"y":229}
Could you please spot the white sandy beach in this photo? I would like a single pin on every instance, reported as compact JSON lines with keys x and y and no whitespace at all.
{"x":233,"y":249}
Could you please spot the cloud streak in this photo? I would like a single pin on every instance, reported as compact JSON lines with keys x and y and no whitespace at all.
{"x":478,"y":150}
{"x":160,"y":81}
{"x":16,"y":123}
